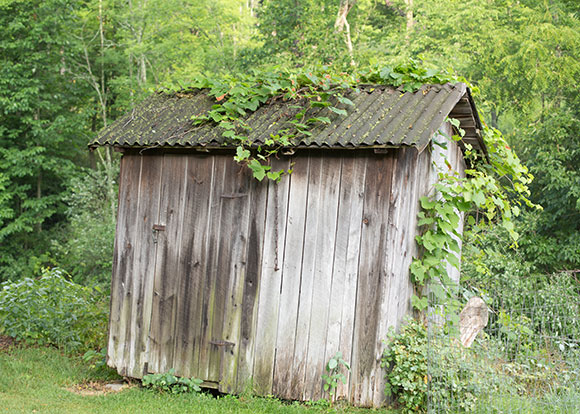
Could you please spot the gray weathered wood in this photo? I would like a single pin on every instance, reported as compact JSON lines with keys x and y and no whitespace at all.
{"x":233,"y":256}
{"x":327,"y":211}
{"x":257,"y":284}
{"x":298,"y":381}
{"x":255,"y":247}
{"x":193,"y":264}
{"x":372,"y":274}
{"x":269,"y":290}
{"x":168,"y":243}
{"x":143,"y":268}
{"x":207,"y":372}
{"x":123,"y":261}
{"x":291,"y":271}
{"x":148,"y":215}
{"x":345,"y":270}
{"x":395,"y":273}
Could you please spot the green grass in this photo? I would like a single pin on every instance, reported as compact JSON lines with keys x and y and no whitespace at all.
{"x":35,"y":380}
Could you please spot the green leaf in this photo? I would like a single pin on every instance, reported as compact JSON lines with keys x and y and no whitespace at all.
{"x":478,"y":198}
{"x":321,"y":119}
{"x":258,"y":169}
{"x":419,"y":303}
{"x":427,"y":204}
{"x":241,"y":154}
{"x":344,"y":101}
{"x":338,"y":111}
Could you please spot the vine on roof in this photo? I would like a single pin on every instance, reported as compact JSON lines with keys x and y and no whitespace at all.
{"x":236,"y":97}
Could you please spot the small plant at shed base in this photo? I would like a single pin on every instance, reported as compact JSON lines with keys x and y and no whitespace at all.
{"x":333,"y":374}
{"x":168,"y":382}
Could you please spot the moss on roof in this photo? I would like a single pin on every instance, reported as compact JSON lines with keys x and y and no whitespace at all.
{"x":381,"y":116}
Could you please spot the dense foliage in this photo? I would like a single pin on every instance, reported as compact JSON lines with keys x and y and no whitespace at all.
{"x":52,"y":310}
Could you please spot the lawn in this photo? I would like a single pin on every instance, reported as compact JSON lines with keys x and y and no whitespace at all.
{"x":36,"y":380}
{"x":41,"y":380}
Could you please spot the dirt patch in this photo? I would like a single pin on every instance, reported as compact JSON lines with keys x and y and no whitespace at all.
{"x":92,"y":388}
{"x":6,"y":342}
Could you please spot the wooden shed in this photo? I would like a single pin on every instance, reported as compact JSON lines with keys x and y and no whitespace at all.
{"x":254,"y":285}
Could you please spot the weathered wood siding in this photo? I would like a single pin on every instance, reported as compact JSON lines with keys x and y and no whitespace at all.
{"x":257,"y":285}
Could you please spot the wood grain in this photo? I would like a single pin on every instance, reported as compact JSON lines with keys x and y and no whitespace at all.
{"x":192,"y":264}
{"x":269,"y":290}
{"x":291,"y":273}
{"x":326,"y":209}
{"x":372,"y":276}
{"x":164,"y":307}
{"x":124,"y":252}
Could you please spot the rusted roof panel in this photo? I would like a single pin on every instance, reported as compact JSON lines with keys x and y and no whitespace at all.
{"x":382,"y":116}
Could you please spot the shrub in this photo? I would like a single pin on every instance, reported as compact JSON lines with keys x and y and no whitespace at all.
{"x":430,"y":369}
{"x":53,"y":310}
{"x":407,"y":370}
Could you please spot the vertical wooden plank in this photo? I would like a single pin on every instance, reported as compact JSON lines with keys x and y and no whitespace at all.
{"x":269,"y":290}
{"x":148,"y":190}
{"x":148,"y":214}
{"x":408,"y":230}
{"x":405,"y":230}
{"x":345,"y":269}
{"x":326,"y":207}
{"x":372,"y":277}
{"x":233,"y":250}
{"x":193,"y":264}
{"x":210,"y":279}
{"x":124,"y":251}
{"x":258,"y":205}
{"x":396,"y":274}
{"x":165,"y":285}
{"x":299,"y":366}
{"x":291,"y":271}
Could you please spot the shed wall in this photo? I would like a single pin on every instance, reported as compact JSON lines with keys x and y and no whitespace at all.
{"x":248,"y":284}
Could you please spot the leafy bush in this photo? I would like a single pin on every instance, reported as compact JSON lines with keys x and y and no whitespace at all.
{"x":168,"y":382}
{"x":430,"y":369}
{"x":407,"y":371}
{"x":53,"y":310}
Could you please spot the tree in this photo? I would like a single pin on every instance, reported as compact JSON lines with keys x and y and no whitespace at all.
{"x":40,"y":126}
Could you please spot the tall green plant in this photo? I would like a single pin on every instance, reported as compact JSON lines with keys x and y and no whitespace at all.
{"x":53,"y":310}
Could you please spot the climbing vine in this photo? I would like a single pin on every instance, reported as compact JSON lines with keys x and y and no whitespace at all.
{"x":493,"y":189}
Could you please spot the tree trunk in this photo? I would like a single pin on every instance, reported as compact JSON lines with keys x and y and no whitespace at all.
{"x":38,"y":197}
{"x":494,"y":118}
{"x":341,"y":24}
{"x":409,"y":16}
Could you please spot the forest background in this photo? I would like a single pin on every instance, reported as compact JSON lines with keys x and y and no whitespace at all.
{"x":71,"y":67}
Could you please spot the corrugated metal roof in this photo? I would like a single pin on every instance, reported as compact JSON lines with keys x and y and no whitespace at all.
{"x":382,"y":116}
